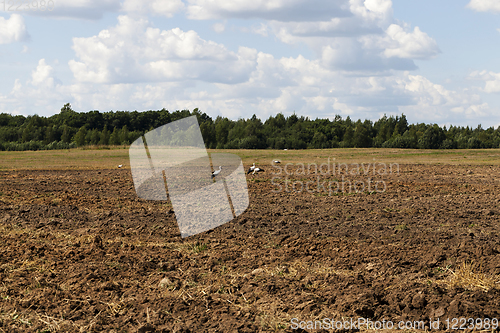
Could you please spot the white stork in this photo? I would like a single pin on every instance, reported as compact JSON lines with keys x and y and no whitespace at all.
{"x":257,"y":170}
{"x":216,"y":172}
{"x":252,"y":168}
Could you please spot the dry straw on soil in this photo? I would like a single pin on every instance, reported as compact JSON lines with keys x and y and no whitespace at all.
{"x":469,"y":276}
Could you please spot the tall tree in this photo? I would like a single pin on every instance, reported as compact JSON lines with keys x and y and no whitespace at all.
{"x":104,"y":136}
{"x":79,"y":137}
{"x":114,"y":138}
{"x":124,"y":134}
{"x":66,"y":135}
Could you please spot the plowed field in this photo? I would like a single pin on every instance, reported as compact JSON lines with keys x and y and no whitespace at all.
{"x":79,"y":252}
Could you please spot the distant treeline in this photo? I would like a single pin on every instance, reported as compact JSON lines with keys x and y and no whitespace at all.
{"x":70,"y":129}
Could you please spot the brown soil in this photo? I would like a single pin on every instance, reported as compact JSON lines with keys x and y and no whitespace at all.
{"x":81,"y":253}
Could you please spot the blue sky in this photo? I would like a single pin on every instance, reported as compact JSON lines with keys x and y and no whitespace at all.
{"x":435,"y":61}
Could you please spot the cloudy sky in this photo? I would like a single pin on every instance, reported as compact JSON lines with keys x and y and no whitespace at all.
{"x":435,"y":61}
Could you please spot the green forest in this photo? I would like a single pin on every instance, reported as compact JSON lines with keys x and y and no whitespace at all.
{"x":70,"y":129}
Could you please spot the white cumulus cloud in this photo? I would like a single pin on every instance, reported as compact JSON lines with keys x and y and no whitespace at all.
{"x":284,"y":84}
{"x":433,"y":101}
{"x":219,"y":27}
{"x":412,"y":45}
{"x":373,"y":10}
{"x":484,"y":5}
{"x":491,"y":80}
{"x":42,"y":74}
{"x":366,"y":41}
{"x":133,"y":51}
{"x":362,"y":55}
{"x":364,"y":17}
{"x":12,"y":29}
{"x":261,"y":29}
{"x":40,"y":94}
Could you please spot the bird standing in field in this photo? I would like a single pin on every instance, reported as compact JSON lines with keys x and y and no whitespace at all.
{"x":216,"y":172}
{"x":252,"y":168}
{"x":276,"y":162}
{"x":257,"y":170}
